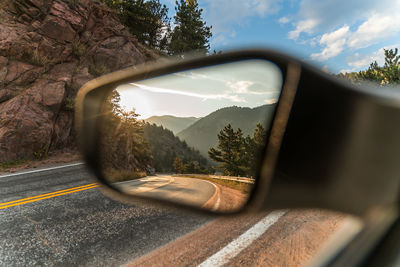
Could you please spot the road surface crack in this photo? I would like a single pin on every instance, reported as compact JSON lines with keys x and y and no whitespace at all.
{"x":40,"y":236}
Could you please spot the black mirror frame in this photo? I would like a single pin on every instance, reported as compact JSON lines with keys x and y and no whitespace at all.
{"x":300,"y":100}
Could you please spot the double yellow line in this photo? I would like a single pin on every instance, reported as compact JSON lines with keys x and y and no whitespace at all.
{"x":46,"y":196}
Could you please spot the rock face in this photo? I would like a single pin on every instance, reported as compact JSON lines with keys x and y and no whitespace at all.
{"x":48,"y":50}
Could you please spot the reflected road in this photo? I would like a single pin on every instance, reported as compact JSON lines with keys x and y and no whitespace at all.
{"x":190,"y":191}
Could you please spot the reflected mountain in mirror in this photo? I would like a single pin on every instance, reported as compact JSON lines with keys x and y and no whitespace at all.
{"x":193,"y":137}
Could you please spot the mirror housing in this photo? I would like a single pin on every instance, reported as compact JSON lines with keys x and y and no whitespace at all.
{"x":331,"y":143}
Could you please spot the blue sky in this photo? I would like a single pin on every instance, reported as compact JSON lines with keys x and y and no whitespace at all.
{"x":337,"y":35}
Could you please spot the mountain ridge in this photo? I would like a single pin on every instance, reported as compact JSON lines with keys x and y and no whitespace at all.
{"x":202,"y":134}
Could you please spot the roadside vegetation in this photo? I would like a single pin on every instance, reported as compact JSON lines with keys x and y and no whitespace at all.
{"x":388,"y":74}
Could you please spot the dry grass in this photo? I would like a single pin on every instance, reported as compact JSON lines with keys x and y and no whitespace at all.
{"x":242,"y":187}
{"x":5,"y":166}
{"x":53,"y":158}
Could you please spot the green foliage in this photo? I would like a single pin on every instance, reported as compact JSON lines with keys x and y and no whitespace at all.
{"x":68,"y":104}
{"x":147,"y":20}
{"x":123,"y":146}
{"x":11,"y":164}
{"x":41,"y":153}
{"x":387,"y":74}
{"x":238,"y":155}
{"x":190,"y":33}
{"x":178,"y":165}
{"x":166,"y":148}
{"x":98,"y":69}
{"x":78,"y":49}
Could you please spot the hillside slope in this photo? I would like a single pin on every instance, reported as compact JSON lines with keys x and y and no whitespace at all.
{"x":175,"y":124}
{"x":202,"y":135}
{"x":48,"y":50}
{"x":165,"y":147}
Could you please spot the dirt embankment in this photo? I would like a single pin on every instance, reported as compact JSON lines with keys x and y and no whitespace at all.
{"x":48,"y":50}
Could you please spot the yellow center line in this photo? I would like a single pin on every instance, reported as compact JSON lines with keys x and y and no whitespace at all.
{"x":48,"y":195}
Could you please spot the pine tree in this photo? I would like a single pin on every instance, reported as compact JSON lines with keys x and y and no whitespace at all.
{"x":178,"y":165}
{"x":230,"y":152}
{"x":238,"y":155}
{"x":147,"y":20}
{"x":190,"y":33}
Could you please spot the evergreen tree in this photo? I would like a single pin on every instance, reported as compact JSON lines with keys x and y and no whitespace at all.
{"x":190,"y":33}
{"x":147,"y":20}
{"x":122,"y":142}
{"x":256,"y":148}
{"x":230,"y":152}
{"x":178,"y":165}
{"x":239,"y":156}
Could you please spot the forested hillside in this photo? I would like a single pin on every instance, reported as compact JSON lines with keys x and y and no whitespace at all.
{"x":202,"y":135}
{"x":165,"y":147}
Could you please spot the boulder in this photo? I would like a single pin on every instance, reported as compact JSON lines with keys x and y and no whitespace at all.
{"x":47,"y":49}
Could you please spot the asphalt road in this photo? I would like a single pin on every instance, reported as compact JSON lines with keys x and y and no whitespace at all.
{"x":189,"y":191}
{"x":59,"y":217}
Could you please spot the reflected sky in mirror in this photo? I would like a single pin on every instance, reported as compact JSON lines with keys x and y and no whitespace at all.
{"x":199,"y":92}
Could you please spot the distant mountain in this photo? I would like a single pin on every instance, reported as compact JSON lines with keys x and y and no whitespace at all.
{"x":175,"y":124}
{"x":202,"y":134}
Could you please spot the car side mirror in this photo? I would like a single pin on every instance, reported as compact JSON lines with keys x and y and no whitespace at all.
{"x":245,"y":130}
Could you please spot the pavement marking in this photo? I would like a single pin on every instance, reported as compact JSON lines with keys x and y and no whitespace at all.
{"x":47,"y":195}
{"x":243,"y":241}
{"x":42,"y":170}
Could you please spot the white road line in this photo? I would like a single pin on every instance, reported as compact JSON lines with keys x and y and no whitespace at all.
{"x":216,"y":205}
{"x":243,"y":241}
{"x":41,"y":170}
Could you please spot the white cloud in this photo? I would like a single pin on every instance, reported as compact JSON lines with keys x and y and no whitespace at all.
{"x":233,"y":98}
{"x":271,"y":101}
{"x":284,"y":20}
{"x":223,"y":14}
{"x":358,"y":61}
{"x":306,"y":26}
{"x":375,"y":29}
{"x":367,"y":22}
{"x":240,"y":87}
{"x":334,"y":43}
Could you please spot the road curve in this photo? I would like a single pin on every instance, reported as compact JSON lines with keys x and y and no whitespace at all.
{"x":189,"y":191}
{"x":78,"y":228}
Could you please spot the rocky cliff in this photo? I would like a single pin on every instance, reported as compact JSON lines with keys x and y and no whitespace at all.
{"x":48,"y":50}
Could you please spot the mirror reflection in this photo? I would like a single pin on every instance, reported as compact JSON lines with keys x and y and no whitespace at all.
{"x":194,"y":137}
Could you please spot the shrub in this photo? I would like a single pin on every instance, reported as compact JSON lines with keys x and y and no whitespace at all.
{"x":40,"y":60}
{"x":41,"y":153}
{"x":98,"y":70}
{"x":68,"y":104}
{"x":78,"y":49}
